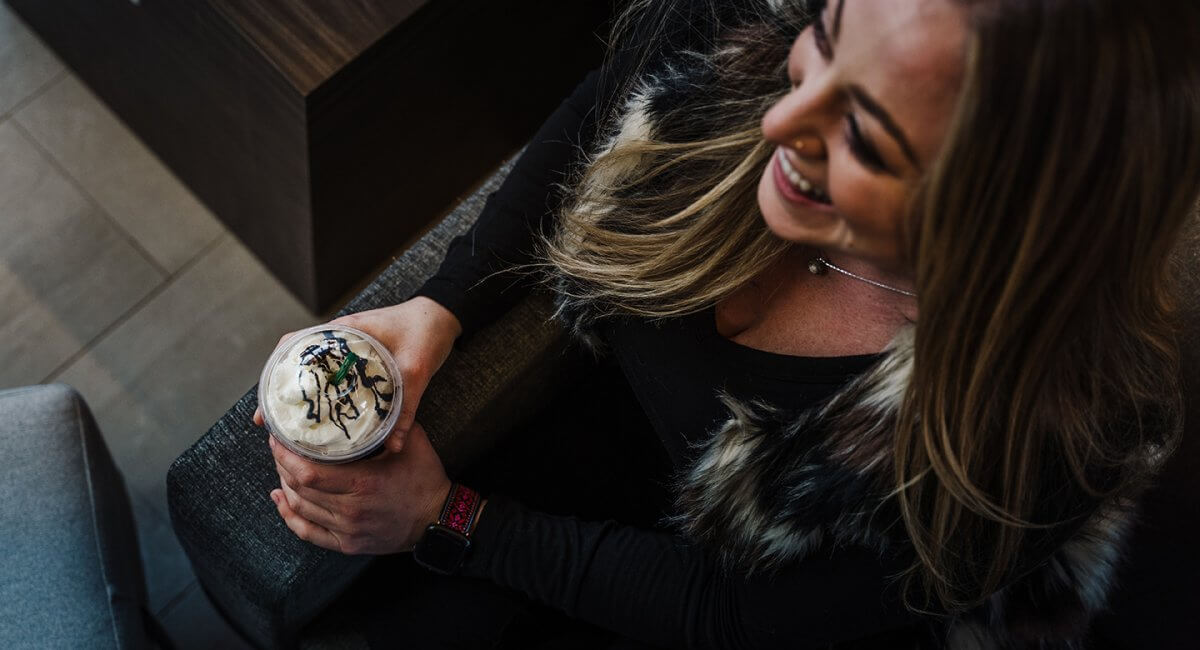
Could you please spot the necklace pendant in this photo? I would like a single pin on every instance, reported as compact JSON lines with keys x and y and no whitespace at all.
{"x":817,"y":266}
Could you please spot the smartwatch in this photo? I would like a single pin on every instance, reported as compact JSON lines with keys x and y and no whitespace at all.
{"x":445,"y":544}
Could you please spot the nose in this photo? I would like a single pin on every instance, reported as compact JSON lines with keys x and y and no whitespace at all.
{"x":803,"y":118}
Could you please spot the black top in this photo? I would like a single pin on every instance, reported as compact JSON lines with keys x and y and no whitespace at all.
{"x":653,"y":585}
{"x":677,"y":366}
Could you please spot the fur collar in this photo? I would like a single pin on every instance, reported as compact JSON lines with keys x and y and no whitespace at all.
{"x":771,"y":486}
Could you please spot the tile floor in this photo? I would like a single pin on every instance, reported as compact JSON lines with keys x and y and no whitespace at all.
{"x":113,"y":277}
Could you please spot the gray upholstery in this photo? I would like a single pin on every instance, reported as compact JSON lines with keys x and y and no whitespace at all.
{"x":70,"y":572}
{"x":269,"y":583}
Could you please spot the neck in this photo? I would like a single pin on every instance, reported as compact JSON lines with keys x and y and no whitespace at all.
{"x":864,"y":295}
{"x":787,"y":309}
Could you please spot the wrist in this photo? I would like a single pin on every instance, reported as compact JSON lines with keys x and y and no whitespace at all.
{"x":446,"y":543}
{"x":433,"y":510}
{"x":442,"y":320}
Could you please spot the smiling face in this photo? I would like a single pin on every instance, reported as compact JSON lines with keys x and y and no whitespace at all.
{"x":874,"y":85}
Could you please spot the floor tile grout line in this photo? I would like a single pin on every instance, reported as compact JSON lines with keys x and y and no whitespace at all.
{"x":129,"y":313}
{"x":54,"y":162}
{"x":167,"y":278}
{"x":174,"y":601}
{"x":209,"y":245}
{"x":37,"y":92}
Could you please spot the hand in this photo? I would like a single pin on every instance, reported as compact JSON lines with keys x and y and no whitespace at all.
{"x":376,"y":506}
{"x":420,"y":334}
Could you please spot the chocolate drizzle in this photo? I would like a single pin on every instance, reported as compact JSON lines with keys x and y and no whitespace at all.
{"x":335,"y":402}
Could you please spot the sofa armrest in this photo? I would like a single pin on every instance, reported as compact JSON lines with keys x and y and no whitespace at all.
{"x":265,"y":580}
{"x":70,"y":573}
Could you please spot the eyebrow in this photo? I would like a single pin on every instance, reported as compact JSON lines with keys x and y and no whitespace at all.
{"x":870,"y":105}
{"x":837,"y":18}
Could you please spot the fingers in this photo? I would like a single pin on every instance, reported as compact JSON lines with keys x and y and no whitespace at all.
{"x":308,"y":494}
{"x":326,"y":502}
{"x":334,"y":479}
{"x":286,"y":477}
{"x":414,"y":386}
{"x":304,"y":529}
{"x":258,"y":417}
{"x":310,"y":510}
{"x":415,"y":381}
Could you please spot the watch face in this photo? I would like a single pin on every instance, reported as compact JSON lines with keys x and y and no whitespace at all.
{"x":441,"y":549}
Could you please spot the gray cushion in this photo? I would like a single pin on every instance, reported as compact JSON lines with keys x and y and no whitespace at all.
{"x":268,"y":582}
{"x":70,"y":572}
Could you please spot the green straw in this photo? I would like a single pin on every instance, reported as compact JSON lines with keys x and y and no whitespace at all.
{"x":341,"y":373}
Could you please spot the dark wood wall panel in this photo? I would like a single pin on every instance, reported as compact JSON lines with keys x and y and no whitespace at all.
{"x":311,"y":40}
{"x":206,"y":103}
{"x":426,"y":114}
{"x":325,"y":134}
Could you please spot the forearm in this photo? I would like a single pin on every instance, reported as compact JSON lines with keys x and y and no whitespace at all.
{"x":657,"y":588}
{"x":476,"y":280}
{"x":440,"y":318}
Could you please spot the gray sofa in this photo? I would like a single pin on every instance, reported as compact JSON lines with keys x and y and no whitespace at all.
{"x":278,"y":590}
{"x":70,"y":572}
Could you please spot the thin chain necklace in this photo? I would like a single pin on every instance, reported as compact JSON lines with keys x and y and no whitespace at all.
{"x":819,"y":264}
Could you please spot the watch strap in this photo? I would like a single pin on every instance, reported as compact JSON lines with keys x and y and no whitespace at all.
{"x":460,"y":509}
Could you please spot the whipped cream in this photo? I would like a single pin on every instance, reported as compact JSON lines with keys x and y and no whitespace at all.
{"x":331,"y":391}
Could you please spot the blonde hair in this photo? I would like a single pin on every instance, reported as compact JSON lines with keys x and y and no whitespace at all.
{"x":1045,"y":359}
{"x":658,"y":228}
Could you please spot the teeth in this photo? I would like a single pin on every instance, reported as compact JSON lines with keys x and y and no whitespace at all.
{"x":794,"y":176}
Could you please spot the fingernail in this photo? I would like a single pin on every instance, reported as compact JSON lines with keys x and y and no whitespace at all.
{"x":275,"y":496}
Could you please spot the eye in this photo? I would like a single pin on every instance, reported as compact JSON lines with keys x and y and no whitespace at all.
{"x":862,"y":148}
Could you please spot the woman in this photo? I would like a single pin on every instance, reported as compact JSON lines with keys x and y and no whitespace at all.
{"x":931,"y":239}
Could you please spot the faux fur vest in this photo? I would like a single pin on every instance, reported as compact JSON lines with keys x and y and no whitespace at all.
{"x":769,"y":487}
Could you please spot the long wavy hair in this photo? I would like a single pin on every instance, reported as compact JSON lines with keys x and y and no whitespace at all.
{"x":1045,"y":355}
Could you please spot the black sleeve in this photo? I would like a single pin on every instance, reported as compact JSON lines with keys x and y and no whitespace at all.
{"x":659,"y":589}
{"x":475,"y":281}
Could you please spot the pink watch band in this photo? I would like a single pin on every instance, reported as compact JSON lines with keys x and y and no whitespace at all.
{"x":460,"y":509}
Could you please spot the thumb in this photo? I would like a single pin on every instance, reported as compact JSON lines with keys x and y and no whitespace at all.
{"x":410,"y":398}
{"x":416,"y":439}
{"x":413,"y":390}
{"x":399,"y":439}
{"x":394,"y":443}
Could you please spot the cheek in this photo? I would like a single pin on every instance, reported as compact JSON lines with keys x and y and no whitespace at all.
{"x":873,"y":209}
{"x":866,"y":203}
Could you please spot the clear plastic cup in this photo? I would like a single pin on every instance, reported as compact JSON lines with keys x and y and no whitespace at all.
{"x":330,"y":393}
